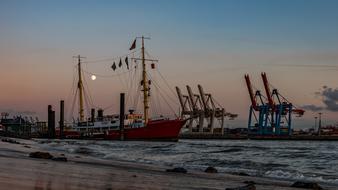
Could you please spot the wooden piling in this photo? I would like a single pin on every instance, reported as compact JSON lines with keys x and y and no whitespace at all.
{"x":62,"y":118}
{"x":122,"y":115}
{"x":51,"y":122}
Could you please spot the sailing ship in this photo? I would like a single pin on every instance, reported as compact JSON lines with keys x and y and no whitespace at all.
{"x":134,"y":126}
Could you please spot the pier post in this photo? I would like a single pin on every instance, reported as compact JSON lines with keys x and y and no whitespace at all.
{"x":122,"y":116}
{"x":62,"y":117}
{"x":51,"y":122}
{"x":53,"y":125}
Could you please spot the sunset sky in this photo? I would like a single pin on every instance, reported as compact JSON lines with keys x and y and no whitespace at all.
{"x":213,"y":43}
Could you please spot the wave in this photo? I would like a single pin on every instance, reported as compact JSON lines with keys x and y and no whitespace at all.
{"x":273,"y":159}
{"x":295,"y":175}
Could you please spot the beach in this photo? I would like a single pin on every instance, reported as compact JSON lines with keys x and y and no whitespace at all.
{"x":19,"y":171}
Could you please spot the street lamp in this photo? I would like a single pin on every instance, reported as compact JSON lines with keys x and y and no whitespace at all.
{"x":320,"y":123}
{"x":315,"y":124}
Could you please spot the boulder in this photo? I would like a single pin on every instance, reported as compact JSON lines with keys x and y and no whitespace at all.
{"x":177,"y":170}
{"x":62,"y":159}
{"x":10,"y":141}
{"x":43,"y":155}
{"x":210,"y":170}
{"x":307,"y":185}
{"x":242,"y":174}
{"x":249,"y":182}
{"x":247,"y":187}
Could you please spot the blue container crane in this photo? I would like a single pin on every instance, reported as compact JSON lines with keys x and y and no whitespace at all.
{"x":270,"y":115}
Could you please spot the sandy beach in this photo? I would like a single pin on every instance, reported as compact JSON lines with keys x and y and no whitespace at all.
{"x":19,"y":171}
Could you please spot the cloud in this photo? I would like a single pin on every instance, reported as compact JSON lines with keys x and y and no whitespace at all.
{"x":329,"y":98}
{"x":312,"y":107}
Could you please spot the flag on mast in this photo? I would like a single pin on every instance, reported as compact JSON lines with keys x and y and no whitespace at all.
{"x":133,"y":46}
{"x":126,"y":61}
{"x":113,"y":66}
{"x":120,"y":63}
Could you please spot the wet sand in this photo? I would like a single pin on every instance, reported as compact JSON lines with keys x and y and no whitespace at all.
{"x":19,"y":171}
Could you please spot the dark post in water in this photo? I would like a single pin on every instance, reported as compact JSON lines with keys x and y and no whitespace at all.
{"x":62,"y":117}
{"x":122,"y":116}
{"x":51,"y":122}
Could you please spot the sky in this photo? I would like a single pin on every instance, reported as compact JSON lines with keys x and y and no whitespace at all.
{"x":212,"y":43}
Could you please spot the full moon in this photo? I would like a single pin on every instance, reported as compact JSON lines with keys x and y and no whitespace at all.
{"x":93,"y":77}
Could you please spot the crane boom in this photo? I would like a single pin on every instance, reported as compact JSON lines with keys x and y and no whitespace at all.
{"x":267,"y":89}
{"x":203,"y":97}
{"x":192,"y":98}
{"x":180,"y":98}
{"x":251,"y":93}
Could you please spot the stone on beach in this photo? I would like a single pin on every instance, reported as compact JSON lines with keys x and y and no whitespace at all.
{"x":307,"y":185}
{"x":43,"y":155}
{"x":249,"y":182}
{"x":9,"y":141}
{"x":247,"y":187}
{"x":62,"y":159}
{"x":210,"y":170}
{"x":240,"y":173}
{"x":177,"y":170}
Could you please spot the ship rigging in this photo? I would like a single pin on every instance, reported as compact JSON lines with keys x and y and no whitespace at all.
{"x":137,"y":126}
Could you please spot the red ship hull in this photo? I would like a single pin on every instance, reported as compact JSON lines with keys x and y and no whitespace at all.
{"x":162,"y":130}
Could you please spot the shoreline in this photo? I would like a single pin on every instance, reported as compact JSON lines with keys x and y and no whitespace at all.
{"x":19,"y":171}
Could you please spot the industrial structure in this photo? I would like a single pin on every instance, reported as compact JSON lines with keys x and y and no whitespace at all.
{"x":202,"y":112}
{"x":270,"y":115}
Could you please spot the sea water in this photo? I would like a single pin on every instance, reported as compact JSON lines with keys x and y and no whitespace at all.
{"x":291,"y":160}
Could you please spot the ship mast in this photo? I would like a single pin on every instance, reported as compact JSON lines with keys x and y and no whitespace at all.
{"x":80,"y":87}
{"x":145,"y":86}
{"x":145,"y":81}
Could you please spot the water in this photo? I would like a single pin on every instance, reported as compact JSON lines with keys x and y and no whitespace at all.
{"x":291,"y":160}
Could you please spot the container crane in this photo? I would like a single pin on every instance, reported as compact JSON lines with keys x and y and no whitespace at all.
{"x":257,"y":111}
{"x":196,"y":107}
{"x":203,"y":107}
{"x":275,"y":113}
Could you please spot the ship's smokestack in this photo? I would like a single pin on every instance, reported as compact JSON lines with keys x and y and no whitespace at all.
{"x":100,"y":114}
{"x":92,"y":116}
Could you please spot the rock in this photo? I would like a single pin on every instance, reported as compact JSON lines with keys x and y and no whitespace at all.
{"x":247,"y":187}
{"x":43,"y":155}
{"x":243,"y":174}
{"x":210,"y":170}
{"x":26,"y":146}
{"x":307,"y":185}
{"x":177,"y":170}
{"x":83,"y":150}
{"x":249,"y":182}
{"x":62,"y":159}
{"x":10,"y":141}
